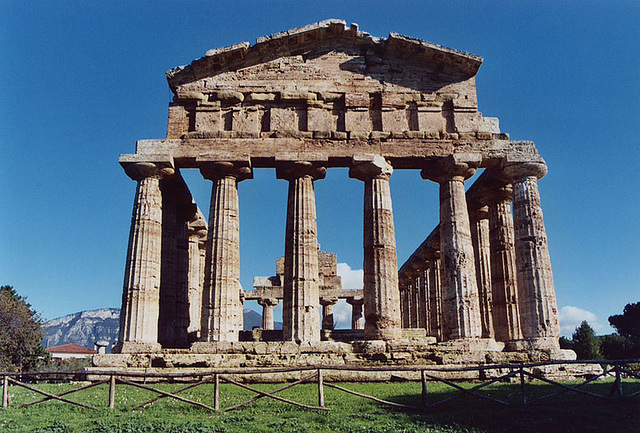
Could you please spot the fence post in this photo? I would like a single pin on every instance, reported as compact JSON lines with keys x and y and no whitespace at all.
{"x":320,"y":389}
{"x":216,"y":392}
{"x":5,"y":391}
{"x":524,"y":396}
{"x":618,"y":382}
{"x":425,"y":396}
{"x":112,"y":392}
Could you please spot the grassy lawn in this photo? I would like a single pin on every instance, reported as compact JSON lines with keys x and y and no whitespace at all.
{"x":565,"y":413}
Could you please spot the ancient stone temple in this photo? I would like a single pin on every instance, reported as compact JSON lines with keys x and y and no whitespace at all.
{"x":306,"y":101}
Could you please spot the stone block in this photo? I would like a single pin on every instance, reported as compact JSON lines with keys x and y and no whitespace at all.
{"x":209,"y":120}
{"x":393,"y":99}
{"x":370,"y":347}
{"x":395,"y":120}
{"x":246,"y":120}
{"x":286,"y":118}
{"x":489,"y":124}
{"x":431,"y":121}
{"x":261,"y":97}
{"x":320,"y":119}
{"x":465,"y":121}
{"x":358,"y":120}
{"x":330,"y":96}
{"x":297,"y":95}
{"x":229,"y":96}
{"x":353,"y":100}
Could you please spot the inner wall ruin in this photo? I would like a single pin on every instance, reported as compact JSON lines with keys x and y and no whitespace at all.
{"x":304,"y":101}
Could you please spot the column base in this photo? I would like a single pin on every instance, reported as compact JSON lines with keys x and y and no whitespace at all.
{"x":545,"y":344}
{"x":136,"y":347}
{"x":473,"y":344}
{"x":389,"y":334}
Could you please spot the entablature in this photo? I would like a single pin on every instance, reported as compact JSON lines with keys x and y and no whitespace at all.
{"x":402,"y":153}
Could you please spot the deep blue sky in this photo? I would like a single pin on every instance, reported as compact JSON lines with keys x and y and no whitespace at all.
{"x":81,"y":82}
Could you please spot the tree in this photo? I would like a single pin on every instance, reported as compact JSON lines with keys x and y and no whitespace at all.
{"x":20,"y":333}
{"x":628,"y":326}
{"x":628,"y":323}
{"x":585,"y":343}
{"x":616,"y":346}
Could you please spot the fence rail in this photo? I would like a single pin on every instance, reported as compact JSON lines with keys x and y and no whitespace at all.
{"x":620,"y":369}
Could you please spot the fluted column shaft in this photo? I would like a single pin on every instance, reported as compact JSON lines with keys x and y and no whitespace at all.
{"x":461,"y":308}
{"x":300,"y":314}
{"x":141,"y":292}
{"x":222,"y":306}
{"x":357,"y":319}
{"x":327,"y":312}
{"x":267,"y":312}
{"x":482,"y":253}
{"x":423,"y":290}
{"x":506,"y":316}
{"x":404,"y":305}
{"x":381,"y":293}
{"x":536,"y":293}
{"x":197,"y":230}
{"x":435,"y":300}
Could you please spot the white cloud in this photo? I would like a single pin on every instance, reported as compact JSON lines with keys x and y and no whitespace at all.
{"x":351,"y":278}
{"x":571,"y":317}
{"x":342,"y":315}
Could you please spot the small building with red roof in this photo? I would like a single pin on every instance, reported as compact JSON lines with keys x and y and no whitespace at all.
{"x":70,"y":351}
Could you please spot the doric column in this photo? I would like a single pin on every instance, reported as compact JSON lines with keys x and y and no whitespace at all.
{"x":381,"y":293}
{"x":459,"y":285}
{"x":404,"y":305}
{"x":222,"y":306}
{"x":357,"y":319}
{"x":423,"y":290}
{"x":435,"y":299}
{"x":506,"y":317}
{"x":300,"y":315}
{"x":415,"y":299}
{"x":141,"y":292}
{"x":327,"y":311}
{"x":482,"y":252}
{"x":536,"y":293}
{"x":267,"y":305}
{"x":197,"y":232}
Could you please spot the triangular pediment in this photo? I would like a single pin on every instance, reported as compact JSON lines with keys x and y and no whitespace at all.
{"x":369,"y":55}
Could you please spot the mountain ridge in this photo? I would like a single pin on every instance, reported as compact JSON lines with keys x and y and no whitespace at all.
{"x":86,"y":327}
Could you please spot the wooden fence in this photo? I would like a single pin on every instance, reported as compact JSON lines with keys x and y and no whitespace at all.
{"x":621,"y":370}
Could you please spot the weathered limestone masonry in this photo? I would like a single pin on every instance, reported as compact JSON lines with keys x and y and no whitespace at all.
{"x":304,"y":101}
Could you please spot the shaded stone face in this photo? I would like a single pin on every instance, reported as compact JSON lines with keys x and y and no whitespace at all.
{"x":303,"y":102}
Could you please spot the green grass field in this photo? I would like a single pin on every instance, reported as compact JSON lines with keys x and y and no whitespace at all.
{"x":565,"y":413}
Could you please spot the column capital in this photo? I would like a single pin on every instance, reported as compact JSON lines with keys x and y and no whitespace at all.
{"x":459,"y":166}
{"x":197,"y":226}
{"x":497,"y":194}
{"x":289,"y":170}
{"x":514,"y":172}
{"x":480,"y":213}
{"x":355,"y":301}
{"x":270,"y":302}
{"x":139,"y":168}
{"x":328,"y":300}
{"x":212,"y":169}
{"x":367,"y":167}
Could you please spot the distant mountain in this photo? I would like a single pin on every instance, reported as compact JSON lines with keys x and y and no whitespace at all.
{"x":83,"y":328}
{"x":87,"y":327}
{"x":253,"y":319}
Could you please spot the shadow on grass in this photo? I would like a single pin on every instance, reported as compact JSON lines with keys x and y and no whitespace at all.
{"x":568,"y":412}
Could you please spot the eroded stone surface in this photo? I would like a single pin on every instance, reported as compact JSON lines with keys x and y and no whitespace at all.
{"x":308,"y":100}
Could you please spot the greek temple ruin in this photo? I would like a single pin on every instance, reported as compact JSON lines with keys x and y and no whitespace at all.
{"x":309,"y":100}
